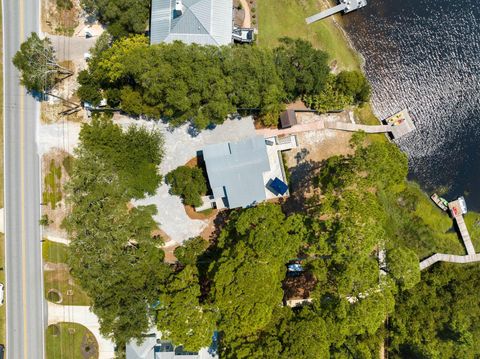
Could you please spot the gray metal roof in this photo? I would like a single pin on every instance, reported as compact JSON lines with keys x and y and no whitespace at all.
{"x":205,"y":22}
{"x":145,"y":350}
{"x":237,"y":170}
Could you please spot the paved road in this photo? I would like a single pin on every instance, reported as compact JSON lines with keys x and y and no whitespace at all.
{"x":24,"y":295}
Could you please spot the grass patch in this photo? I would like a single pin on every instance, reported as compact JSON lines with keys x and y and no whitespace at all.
{"x":70,"y":341}
{"x":206,"y":212}
{"x":445,"y":238}
{"x":52,"y":193}
{"x":366,"y":116}
{"x":68,"y":164}
{"x":280,"y":18}
{"x":419,"y":225}
{"x":472,"y":221}
{"x":61,"y":280}
{"x":54,"y":252}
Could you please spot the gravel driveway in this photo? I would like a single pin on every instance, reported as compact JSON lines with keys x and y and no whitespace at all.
{"x":180,"y":147}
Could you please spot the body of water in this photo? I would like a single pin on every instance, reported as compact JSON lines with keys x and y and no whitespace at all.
{"x":424,"y":55}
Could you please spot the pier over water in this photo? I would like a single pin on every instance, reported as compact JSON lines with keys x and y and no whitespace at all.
{"x":457,"y":209}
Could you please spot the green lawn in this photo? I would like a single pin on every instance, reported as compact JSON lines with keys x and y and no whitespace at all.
{"x":54,"y":252}
{"x":52,"y":193}
{"x":60,"y":280}
{"x":70,"y":341}
{"x":472,"y":220}
{"x":280,"y":18}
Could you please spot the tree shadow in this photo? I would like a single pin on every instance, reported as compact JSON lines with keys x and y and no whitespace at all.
{"x":302,"y":181}
{"x":212,"y":254}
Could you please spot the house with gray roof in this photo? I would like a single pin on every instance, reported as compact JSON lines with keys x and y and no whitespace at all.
{"x":204,"y":22}
{"x":244,"y":173}
{"x":152,"y":347}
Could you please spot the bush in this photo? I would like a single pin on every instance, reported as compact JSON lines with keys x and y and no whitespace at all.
{"x":64,"y":4}
{"x":188,"y":183}
{"x":354,"y":84}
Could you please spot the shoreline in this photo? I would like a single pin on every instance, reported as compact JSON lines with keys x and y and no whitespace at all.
{"x":337,"y":23}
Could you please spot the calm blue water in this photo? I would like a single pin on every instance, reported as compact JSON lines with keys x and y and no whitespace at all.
{"x":425,"y":55}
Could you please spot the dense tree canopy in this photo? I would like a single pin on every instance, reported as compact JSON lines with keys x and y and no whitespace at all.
{"x":122,"y":17}
{"x":347,"y":88}
{"x":112,"y":253}
{"x":247,"y":277}
{"x":181,"y":316}
{"x":134,"y":154}
{"x":438,"y":318}
{"x":205,"y":84}
{"x":303,"y":68}
{"x":355,"y":84}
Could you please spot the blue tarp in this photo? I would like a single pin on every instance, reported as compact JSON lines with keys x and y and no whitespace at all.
{"x":279,"y":186}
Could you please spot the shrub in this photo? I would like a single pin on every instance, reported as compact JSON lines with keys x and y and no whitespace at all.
{"x":64,"y":4}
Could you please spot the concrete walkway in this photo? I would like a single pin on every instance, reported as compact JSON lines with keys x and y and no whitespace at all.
{"x":82,"y":315}
{"x":57,"y":239}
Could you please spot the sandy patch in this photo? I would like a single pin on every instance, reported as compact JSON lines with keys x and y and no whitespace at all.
{"x":55,"y":165}
{"x":60,"y":20}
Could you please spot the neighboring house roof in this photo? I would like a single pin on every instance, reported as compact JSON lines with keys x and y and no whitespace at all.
{"x":145,"y":350}
{"x":205,"y":22}
{"x":235,"y":170}
{"x":151,"y":348}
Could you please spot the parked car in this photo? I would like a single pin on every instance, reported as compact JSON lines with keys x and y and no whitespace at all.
{"x":1,"y":294}
{"x":2,"y":349}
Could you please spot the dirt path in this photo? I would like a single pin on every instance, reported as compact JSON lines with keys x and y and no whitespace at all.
{"x":247,"y":20}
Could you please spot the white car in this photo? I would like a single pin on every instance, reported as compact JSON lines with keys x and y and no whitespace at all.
{"x":1,"y":294}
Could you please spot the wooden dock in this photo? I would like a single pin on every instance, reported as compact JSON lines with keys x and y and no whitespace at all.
{"x":457,"y":214}
{"x":457,"y":209}
{"x":397,"y":125}
{"x":441,"y":257}
{"x":353,"y":127}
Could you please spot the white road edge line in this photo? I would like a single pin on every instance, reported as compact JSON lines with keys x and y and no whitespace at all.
{"x":4,"y":178}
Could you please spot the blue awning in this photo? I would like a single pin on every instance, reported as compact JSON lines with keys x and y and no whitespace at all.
{"x":279,"y":186}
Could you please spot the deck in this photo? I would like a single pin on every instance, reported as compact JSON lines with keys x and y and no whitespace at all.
{"x":397,"y":125}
